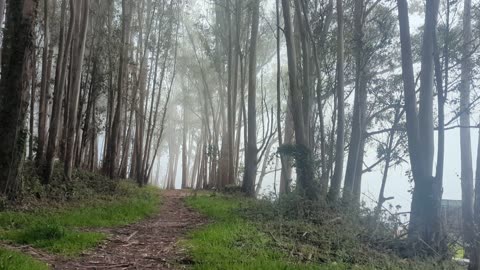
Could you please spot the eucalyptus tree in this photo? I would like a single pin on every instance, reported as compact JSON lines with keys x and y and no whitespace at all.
{"x":16,"y":66}
{"x":251,"y":154}
{"x":337,"y":177}
{"x":112,"y":153}
{"x":425,"y":217}
{"x":60,"y":81}
{"x":465,"y":132}
{"x":78,"y":46}
{"x":303,"y":151}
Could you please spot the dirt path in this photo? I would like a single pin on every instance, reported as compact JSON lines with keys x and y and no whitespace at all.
{"x":150,"y":244}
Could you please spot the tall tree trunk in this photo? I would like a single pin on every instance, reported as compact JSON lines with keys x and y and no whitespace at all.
{"x":465,"y":136}
{"x":252,"y":151}
{"x":230,"y":94}
{"x":16,"y":67}
{"x":42,"y":119}
{"x":354,"y":167}
{"x":334,"y":192}
{"x":60,"y":80}
{"x":184,"y":149}
{"x":78,"y":46}
{"x":305,"y":165}
{"x":112,"y":155}
{"x":475,"y":249}
{"x":284,"y":182}
{"x":425,"y":217}
{"x":31,"y":143}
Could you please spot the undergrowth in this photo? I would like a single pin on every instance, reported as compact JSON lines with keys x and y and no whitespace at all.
{"x":12,"y":260}
{"x":57,"y":218}
{"x":291,"y":233}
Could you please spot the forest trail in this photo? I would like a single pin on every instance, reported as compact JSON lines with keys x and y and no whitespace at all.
{"x":149,"y":244}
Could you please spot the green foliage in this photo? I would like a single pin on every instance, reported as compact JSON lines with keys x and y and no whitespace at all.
{"x":290,"y":233}
{"x":12,"y":260}
{"x":233,"y":190}
{"x":54,"y":226}
{"x":301,"y":154}
{"x":55,"y":238}
{"x":233,"y":242}
{"x":84,"y":186}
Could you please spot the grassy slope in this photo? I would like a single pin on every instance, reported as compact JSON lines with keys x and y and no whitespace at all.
{"x":236,"y":241}
{"x":57,"y":229}
{"x":11,"y":260}
{"x":232,"y":242}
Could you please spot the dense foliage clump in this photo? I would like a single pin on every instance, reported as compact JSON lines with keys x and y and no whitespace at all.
{"x":84,"y":185}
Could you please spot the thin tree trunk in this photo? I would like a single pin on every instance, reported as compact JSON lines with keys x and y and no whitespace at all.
{"x":42,"y":119}
{"x":32,"y":105}
{"x":284,"y":186}
{"x":334,"y":192}
{"x":251,"y":153}
{"x":184,"y":150}
{"x":475,"y":251}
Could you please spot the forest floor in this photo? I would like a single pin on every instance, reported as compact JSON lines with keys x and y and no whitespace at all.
{"x":209,"y":231}
{"x":149,"y":244}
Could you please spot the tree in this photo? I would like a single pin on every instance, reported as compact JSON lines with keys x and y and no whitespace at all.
{"x":358,"y":126}
{"x":334,"y":192}
{"x":425,"y":218}
{"x":46,"y":67}
{"x":303,"y":153}
{"x":251,"y":154}
{"x":17,"y":55}
{"x":78,"y":45}
{"x":465,"y":136}
{"x":112,"y":154}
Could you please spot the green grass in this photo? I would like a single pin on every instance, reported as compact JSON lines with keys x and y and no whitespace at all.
{"x":236,"y":239}
{"x":12,"y":260}
{"x":57,"y":231}
{"x":232,"y":242}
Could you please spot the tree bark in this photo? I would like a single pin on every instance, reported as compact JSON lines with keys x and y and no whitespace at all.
{"x":78,"y":46}
{"x":304,"y":156}
{"x":466,"y":175}
{"x":42,"y":119}
{"x":358,"y":125}
{"x":334,"y":192}
{"x":60,"y":80}
{"x":112,"y":155}
{"x":475,"y":251}
{"x":16,"y":69}
{"x":425,"y":217}
{"x":252,"y":151}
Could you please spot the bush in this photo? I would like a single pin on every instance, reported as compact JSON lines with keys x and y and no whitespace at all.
{"x":84,"y":186}
{"x":312,"y":231}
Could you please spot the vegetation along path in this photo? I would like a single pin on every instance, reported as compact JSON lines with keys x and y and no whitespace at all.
{"x":149,"y":244}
